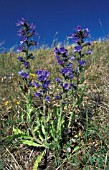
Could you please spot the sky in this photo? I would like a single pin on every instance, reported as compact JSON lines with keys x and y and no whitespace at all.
{"x":51,"y":17}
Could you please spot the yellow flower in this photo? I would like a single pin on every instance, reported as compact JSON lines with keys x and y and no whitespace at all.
{"x":6,"y":103}
{"x":17,"y":102}
{"x":95,"y":42}
{"x":32,"y":75}
{"x":9,"y":107}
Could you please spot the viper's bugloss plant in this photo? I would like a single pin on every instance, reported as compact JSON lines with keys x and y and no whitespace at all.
{"x":79,"y":37}
{"x":26,"y":32}
{"x":49,"y":122}
{"x":72,"y":69}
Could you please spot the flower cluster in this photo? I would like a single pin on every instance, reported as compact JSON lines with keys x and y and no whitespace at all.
{"x":80,"y":34}
{"x":79,"y":37}
{"x":42,"y":84}
{"x":26,"y":32}
{"x":66,"y":62}
{"x":66,"y":69}
{"x":62,"y":57}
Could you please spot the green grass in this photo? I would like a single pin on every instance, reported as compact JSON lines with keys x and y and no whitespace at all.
{"x":90,"y":143}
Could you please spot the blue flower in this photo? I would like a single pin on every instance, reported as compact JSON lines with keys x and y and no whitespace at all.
{"x":62,"y":50}
{"x":77,"y":49}
{"x":21,"y":32}
{"x":86,"y":32}
{"x":71,"y":76}
{"x":89,"y":52}
{"x":78,"y":28}
{"x":23,"y":74}
{"x":72,"y":58}
{"x":82,"y":62}
{"x":47,"y":98}
{"x":58,"y":80}
{"x":20,"y":58}
{"x":24,"y":39}
{"x":43,"y":79}
{"x":37,"y":94}
{"x":88,"y":43}
{"x":56,"y":50}
{"x":20,"y":49}
{"x":36,"y":84}
{"x":32,"y":26}
{"x":21,"y":23}
{"x":26,"y":64}
{"x":57,"y":97}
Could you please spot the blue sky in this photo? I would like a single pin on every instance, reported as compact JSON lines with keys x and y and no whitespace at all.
{"x":51,"y":16}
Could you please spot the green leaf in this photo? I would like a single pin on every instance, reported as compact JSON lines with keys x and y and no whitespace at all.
{"x":17,"y":131}
{"x":43,"y":130}
{"x":76,"y":148}
{"x":12,"y":137}
{"x":53,"y":131}
{"x":35,"y":167}
{"x":31,"y":143}
{"x":79,"y":101}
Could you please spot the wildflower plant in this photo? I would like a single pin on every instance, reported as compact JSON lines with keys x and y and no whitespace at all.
{"x":26,"y":32}
{"x":49,"y":123}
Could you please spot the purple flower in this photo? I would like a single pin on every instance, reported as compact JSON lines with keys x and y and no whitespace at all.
{"x":24,"y":39}
{"x":36,"y":84}
{"x":66,"y":86}
{"x":70,"y":65}
{"x":86,"y":32}
{"x":77,"y":49}
{"x":32,"y":26}
{"x":21,"y":23}
{"x":37,"y":94}
{"x":30,"y":84}
{"x":78,"y":28}
{"x":79,"y":35}
{"x":23,"y":74}
{"x":42,"y":78}
{"x":56,"y":50}
{"x":60,"y":62}
{"x":26,"y":64}
{"x":57,"y":97}
{"x":58,"y":80}
{"x":89,"y":52}
{"x":47,"y":98}
{"x":66,"y":71}
{"x":76,"y":39}
{"x":20,"y":58}
{"x":72,"y":58}
{"x":82,"y":62}
{"x":20,"y":49}
{"x":62,"y":50}
{"x":39,"y":72}
{"x":88,"y":43}
{"x":57,"y":57}
{"x":71,"y":76}
{"x":42,"y":75}
{"x":73,"y":35}
{"x":21,"y":32}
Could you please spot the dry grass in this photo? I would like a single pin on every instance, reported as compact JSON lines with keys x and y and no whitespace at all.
{"x":95,"y":154}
